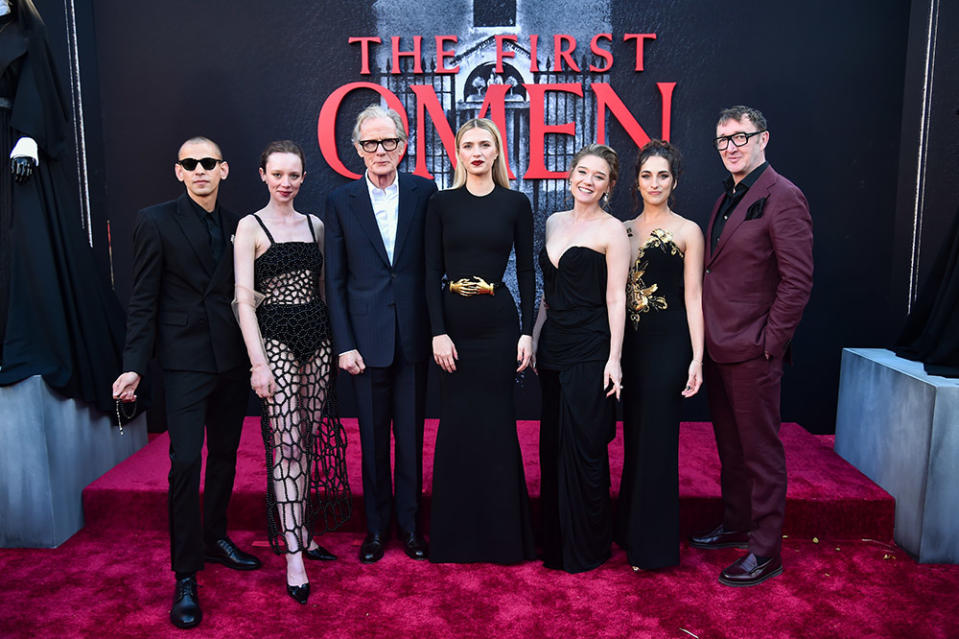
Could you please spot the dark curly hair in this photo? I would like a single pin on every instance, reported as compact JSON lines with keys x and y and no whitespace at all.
{"x":665,"y":150}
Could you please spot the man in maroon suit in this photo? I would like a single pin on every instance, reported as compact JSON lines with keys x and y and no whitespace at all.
{"x":758,"y":279}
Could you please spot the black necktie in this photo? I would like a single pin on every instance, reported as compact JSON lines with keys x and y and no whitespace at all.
{"x":216,"y":237}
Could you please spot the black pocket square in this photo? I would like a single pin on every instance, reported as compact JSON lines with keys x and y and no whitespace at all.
{"x":755,"y":211}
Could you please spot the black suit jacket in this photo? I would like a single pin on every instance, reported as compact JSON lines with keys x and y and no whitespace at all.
{"x":180,"y":306}
{"x":369,"y":298}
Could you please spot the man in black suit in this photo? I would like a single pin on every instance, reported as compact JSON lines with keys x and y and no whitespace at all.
{"x":375,"y":284}
{"x":180,"y":310}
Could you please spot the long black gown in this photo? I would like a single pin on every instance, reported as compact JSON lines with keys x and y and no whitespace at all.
{"x":304,"y":440}
{"x":656,"y":356}
{"x":58,"y":316}
{"x":480,"y":506}
{"x":578,"y":420}
{"x":931,"y":333}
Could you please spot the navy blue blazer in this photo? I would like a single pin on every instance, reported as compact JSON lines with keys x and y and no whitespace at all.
{"x":372,"y":301}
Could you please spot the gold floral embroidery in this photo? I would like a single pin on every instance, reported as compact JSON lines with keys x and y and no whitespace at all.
{"x":639,"y":294}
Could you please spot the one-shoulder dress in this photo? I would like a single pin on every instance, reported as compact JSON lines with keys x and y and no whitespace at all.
{"x":656,"y":356}
{"x":480,"y":505}
{"x":578,"y":420}
{"x":307,"y":489}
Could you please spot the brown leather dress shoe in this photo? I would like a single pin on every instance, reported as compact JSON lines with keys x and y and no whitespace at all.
{"x":751,"y":570}
{"x":719,"y":537}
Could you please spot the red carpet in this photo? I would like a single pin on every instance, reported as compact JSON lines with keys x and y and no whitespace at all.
{"x":826,"y":495}
{"x":112,"y":578}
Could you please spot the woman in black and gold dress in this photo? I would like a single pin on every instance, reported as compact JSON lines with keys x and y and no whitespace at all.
{"x":278,"y":259}
{"x":480,"y":507}
{"x":662,"y":360}
{"x":579,"y":337}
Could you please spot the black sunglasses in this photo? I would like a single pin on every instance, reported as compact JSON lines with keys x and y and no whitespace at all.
{"x":190,"y":163}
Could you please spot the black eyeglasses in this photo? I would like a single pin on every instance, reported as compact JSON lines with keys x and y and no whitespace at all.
{"x":190,"y":163}
{"x":738,"y":139}
{"x":389,"y":144}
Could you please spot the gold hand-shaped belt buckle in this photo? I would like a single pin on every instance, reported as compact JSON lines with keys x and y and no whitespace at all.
{"x":467,"y":287}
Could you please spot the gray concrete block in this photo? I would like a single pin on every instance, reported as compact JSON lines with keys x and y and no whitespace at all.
{"x":900,"y":427}
{"x":51,"y":447}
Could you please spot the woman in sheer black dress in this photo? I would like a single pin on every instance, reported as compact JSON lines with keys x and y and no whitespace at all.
{"x":480,"y":507}
{"x":279,"y":289}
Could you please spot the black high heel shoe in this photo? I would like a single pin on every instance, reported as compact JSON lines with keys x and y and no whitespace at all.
{"x":299,"y":593}
{"x":319,"y":554}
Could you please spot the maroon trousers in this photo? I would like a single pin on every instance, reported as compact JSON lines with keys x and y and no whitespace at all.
{"x":744,"y":402}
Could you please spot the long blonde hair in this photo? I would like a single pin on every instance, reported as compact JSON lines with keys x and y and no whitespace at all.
{"x":500,"y":176}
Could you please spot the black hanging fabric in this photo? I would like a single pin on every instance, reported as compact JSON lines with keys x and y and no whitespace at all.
{"x":63,"y":321}
{"x":931,"y":334}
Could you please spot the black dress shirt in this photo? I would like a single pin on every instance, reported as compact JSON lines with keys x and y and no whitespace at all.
{"x":734,"y":195}
{"x":214,"y":227}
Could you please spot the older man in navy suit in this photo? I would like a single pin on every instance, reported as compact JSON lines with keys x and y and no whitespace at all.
{"x":758,"y":279}
{"x":375,"y":289}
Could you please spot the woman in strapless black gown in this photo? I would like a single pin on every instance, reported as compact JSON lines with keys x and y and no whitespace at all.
{"x":579,"y":333}
{"x":480,"y":505}
{"x":662,"y":360}
{"x":279,"y":293}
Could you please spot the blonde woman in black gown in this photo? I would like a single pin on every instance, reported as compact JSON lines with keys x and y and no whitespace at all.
{"x":480,"y":506}
{"x":579,"y":337}
{"x":278,"y":257}
{"x":662,"y":360}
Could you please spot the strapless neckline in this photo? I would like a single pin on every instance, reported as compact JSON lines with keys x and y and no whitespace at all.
{"x":559,"y":262}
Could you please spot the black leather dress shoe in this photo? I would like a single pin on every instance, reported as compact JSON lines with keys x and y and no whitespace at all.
{"x":225,"y":552}
{"x":319,"y":554}
{"x":299,"y":593}
{"x":719,"y":537}
{"x":413,"y":545}
{"x":751,"y":570}
{"x":186,"y":611}
{"x":372,"y":548}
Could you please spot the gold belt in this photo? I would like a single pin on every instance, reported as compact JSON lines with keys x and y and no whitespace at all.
{"x":476,"y":285}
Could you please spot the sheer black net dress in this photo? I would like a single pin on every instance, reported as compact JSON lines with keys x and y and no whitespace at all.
{"x":578,"y":421}
{"x":480,"y":504}
{"x":307,"y":490}
{"x":656,"y":355}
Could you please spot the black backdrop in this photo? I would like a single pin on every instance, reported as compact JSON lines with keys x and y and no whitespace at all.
{"x":830,"y":78}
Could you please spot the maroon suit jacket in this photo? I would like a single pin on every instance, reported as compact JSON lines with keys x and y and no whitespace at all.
{"x":759,"y":277}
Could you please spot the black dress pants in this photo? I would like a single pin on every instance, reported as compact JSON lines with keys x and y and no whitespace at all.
{"x":195,"y":399}
{"x":396,"y":395}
